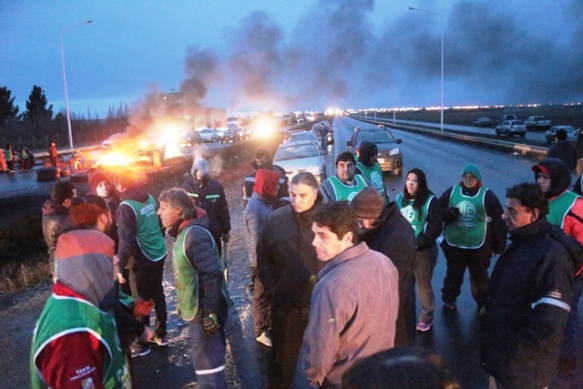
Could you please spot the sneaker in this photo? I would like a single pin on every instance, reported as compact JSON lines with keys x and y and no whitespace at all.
{"x":159,"y":340}
{"x":139,"y":350}
{"x":422,"y":326}
{"x":264,"y":339}
{"x":450,"y":306}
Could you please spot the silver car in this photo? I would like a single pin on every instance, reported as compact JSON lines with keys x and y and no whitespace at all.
{"x":511,"y":127}
{"x":296,"y":157}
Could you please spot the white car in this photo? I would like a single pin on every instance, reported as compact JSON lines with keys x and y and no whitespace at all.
{"x":209,"y":135}
{"x":296,"y":157}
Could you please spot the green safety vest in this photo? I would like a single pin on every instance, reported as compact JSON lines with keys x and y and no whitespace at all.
{"x":560,"y":206}
{"x":374,"y":174}
{"x":469,"y":231}
{"x":64,"y":315}
{"x":149,"y":235}
{"x":412,"y":214}
{"x":186,"y":277}
{"x":345,"y":192}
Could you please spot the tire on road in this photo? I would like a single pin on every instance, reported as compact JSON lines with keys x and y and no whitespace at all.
{"x":48,"y":174}
{"x":80,"y":176}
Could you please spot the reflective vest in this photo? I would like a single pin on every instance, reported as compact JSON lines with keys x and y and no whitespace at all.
{"x":374,"y":174}
{"x":345,"y":192}
{"x":63,"y":315}
{"x":418,"y":221}
{"x":149,"y":235}
{"x":186,"y":277}
{"x":469,"y":231}
{"x":560,"y":206}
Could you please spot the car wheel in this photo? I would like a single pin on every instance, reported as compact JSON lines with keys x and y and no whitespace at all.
{"x":507,"y":133}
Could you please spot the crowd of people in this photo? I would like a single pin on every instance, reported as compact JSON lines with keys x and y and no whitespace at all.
{"x":334,"y":268}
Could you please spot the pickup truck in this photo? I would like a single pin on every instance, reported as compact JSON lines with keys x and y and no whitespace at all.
{"x":537,"y":123}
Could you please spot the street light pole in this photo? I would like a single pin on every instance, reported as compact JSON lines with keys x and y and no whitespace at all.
{"x":442,"y":32}
{"x":65,"y":79}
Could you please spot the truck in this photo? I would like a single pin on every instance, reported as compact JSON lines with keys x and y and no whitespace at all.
{"x":537,"y":123}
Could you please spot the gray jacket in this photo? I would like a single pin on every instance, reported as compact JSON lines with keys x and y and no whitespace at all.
{"x":256,"y":214}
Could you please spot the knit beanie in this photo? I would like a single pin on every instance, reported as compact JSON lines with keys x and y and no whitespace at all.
{"x":95,"y":178}
{"x":368,"y":204}
{"x":474,"y":170}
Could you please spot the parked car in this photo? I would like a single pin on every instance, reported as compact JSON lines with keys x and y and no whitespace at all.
{"x":483,"y":122}
{"x":537,"y":123}
{"x":389,"y":157}
{"x":550,"y":134}
{"x":189,"y":139}
{"x":296,"y":157}
{"x":209,"y":135}
{"x":230,"y":135}
{"x":302,"y":137}
{"x":511,"y":128}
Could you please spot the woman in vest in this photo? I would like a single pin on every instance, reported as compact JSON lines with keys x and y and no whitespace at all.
{"x":420,"y":207}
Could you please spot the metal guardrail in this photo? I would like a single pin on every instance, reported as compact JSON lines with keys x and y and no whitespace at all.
{"x":536,"y":152}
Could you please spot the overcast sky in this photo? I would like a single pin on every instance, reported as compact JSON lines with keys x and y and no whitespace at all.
{"x":301,"y":54}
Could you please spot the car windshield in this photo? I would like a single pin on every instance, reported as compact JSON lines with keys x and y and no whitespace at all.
{"x":206,"y":131}
{"x":296,"y":151}
{"x":376,"y":136}
{"x":301,"y":137}
{"x":519,"y":122}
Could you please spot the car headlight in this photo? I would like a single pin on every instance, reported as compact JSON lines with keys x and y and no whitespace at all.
{"x":395,"y":151}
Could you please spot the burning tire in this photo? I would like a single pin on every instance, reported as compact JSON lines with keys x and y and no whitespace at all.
{"x":48,"y":174}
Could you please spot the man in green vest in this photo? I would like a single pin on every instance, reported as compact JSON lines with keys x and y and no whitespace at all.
{"x":345,"y":184}
{"x":473,"y":230}
{"x":75,"y":343}
{"x":367,"y":165}
{"x":141,"y":249}
{"x":200,"y":285}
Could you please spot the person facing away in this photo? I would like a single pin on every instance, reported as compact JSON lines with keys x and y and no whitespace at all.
{"x":141,"y":250}
{"x":55,"y":213}
{"x":288,"y":269}
{"x":421,"y":209}
{"x":399,"y":368}
{"x":345,"y":184}
{"x":367,"y":165}
{"x":201,"y":289}
{"x":473,"y":230}
{"x":209,"y":194}
{"x":564,"y":150}
{"x":529,"y":295}
{"x":385,"y":230}
{"x":263,"y":160}
{"x":75,"y":343}
{"x":10,"y":157}
{"x":355,"y":302}
{"x":259,"y":208}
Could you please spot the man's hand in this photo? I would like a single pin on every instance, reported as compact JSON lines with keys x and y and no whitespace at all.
{"x":226,"y":238}
{"x":210,"y":323}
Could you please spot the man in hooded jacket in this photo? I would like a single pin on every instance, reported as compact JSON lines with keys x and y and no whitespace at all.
{"x":209,"y":194}
{"x":263,"y":160}
{"x":367,"y":165}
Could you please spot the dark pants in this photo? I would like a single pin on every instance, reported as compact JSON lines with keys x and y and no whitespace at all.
{"x":568,"y":357}
{"x":208,"y":353}
{"x":261,"y":305}
{"x":288,"y":326}
{"x":146,"y":283}
{"x":477,"y":261}
{"x":405,"y":326}
{"x":218,"y":241}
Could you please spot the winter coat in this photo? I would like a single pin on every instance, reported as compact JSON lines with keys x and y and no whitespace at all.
{"x":523,"y":323}
{"x":565,"y":151}
{"x":256,"y":213}
{"x":54,"y":222}
{"x":209,"y":194}
{"x":394,"y":237}
{"x":287,"y":262}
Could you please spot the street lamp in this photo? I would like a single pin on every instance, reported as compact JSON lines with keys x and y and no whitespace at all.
{"x":442,"y":31}
{"x":65,"y":79}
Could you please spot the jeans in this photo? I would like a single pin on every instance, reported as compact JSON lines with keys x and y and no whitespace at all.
{"x":261,"y":305}
{"x":425,"y":261}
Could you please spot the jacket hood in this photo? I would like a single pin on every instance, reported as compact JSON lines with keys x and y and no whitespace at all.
{"x":201,"y":165}
{"x":50,"y":207}
{"x":135,"y":192}
{"x":181,"y":224}
{"x":267,"y":165}
{"x":367,"y":150}
{"x":266,"y":182}
{"x":559,"y":173}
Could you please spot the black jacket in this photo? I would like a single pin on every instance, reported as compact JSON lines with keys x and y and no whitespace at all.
{"x":395,"y":238}
{"x":287,"y":261}
{"x":209,"y":194}
{"x":524,"y":319}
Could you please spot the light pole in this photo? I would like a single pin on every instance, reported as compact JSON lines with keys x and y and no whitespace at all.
{"x":65,"y":79}
{"x":442,"y":31}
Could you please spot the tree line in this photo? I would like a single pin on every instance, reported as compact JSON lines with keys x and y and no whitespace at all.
{"x":37,"y":126}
